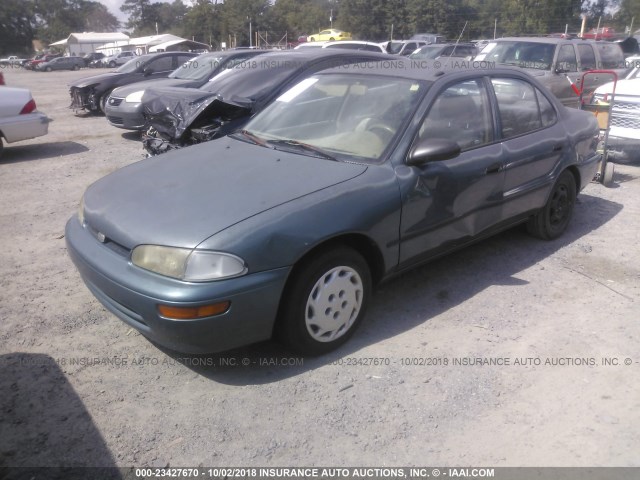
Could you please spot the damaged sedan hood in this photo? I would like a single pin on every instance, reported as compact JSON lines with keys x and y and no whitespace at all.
{"x":183,"y":197}
{"x":173,"y":110}
{"x":88,"y":81}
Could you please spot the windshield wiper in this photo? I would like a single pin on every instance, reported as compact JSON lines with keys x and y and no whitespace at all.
{"x":253,"y":138}
{"x":302,"y":146}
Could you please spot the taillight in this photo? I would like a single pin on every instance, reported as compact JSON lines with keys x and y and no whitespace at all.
{"x":29,"y":107}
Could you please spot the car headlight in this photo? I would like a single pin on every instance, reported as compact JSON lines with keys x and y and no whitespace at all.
{"x":135,"y":97}
{"x":186,"y":264}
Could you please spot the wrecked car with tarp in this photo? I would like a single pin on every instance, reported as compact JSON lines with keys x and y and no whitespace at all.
{"x":179,"y":117}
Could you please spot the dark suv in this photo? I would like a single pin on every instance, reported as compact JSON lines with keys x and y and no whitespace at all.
{"x":554,"y":60}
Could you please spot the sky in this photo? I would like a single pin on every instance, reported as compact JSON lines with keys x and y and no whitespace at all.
{"x":114,"y":7}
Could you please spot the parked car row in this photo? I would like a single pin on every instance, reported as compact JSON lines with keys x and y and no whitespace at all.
{"x":91,"y":93}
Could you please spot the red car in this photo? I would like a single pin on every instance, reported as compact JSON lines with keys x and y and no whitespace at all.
{"x":41,"y":59}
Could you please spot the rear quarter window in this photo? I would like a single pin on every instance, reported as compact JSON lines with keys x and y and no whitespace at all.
{"x":611,"y":55}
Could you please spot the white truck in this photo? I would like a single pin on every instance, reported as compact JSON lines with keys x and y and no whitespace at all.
{"x":12,"y":60}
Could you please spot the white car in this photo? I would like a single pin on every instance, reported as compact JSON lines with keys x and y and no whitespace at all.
{"x":356,"y":45}
{"x":624,"y":133}
{"x":19,"y":117}
{"x":118,"y":59}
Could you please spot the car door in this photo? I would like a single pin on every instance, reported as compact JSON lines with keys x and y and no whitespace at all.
{"x":533,"y":143}
{"x":447,"y":202}
{"x":565,"y":67}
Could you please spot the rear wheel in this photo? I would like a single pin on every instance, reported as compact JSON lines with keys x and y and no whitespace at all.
{"x":325,"y":302}
{"x":551,"y":222}
{"x":48,"y":69}
{"x":332,"y":39}
{"x":112,"y":64}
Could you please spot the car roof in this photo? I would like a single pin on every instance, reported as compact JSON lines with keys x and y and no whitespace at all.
{"x":429,"y":70}
{"x":551,"y":40}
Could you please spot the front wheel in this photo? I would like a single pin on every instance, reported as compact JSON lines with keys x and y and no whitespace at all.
{"x":112,"y":64}
{"x":325,"y":302}
{"x":551,"y":222}
{"x":103,"y":101}
{"x":48,"y":69}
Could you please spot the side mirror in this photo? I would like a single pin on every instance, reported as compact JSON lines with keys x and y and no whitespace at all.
{"x":433,"y":150}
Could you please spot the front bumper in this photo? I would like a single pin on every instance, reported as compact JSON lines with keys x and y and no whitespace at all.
{"x":83,"y":99}
{"x":623,"y":149}
{"x":125,"y":115}
{"x":133,"y":295}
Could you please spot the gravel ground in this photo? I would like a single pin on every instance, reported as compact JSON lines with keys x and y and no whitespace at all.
{"x":79,"y":387}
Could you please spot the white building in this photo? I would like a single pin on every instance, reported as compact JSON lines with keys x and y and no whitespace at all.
{"x":88,"y":42}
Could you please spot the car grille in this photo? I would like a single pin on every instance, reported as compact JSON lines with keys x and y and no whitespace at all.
{"x":116,"y":120}
{"x":78,"y":98}
{"x":115,"y":101}
{"x":626,"y":115}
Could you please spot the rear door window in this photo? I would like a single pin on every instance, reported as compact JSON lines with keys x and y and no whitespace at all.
{"x":518,"y":107}
{"x":567,"y":59}
{"x":587,"y":57}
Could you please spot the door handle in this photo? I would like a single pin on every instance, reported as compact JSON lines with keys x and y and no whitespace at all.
{"x":493,"y":168}
{"x":557,"y":148}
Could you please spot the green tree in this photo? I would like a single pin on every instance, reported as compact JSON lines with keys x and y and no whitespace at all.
{"x":17,"y":26}
{"x":202,"y":22}
{"x":238,"y":14}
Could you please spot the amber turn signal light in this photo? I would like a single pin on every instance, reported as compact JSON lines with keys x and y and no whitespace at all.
{"x":191,"y":313}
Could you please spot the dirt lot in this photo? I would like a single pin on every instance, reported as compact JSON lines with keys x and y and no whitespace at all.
{"x":79,"y":387}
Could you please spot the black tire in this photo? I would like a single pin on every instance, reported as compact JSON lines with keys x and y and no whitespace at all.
{"x":312,"y":39}
{"x":48,"y":69}
{"x":1,"y":147}
{"x":112,"y":64}
{"x":76,"y":67}
{"x":332,"y":39}
{"x":338,"y":281}
{"x":551,"y":222}
{"x":103,"y":101}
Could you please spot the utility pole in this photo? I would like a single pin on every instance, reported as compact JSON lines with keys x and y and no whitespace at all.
{"x":250,"y":33}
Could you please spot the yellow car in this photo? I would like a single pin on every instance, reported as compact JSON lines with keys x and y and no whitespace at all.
{"x":330,"y":35}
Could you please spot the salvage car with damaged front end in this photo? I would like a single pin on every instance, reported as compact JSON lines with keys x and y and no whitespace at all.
{"x":124,"y":108}
{"x":179,"y":117}
{"x":92,"y":93}
{"x":348,"y":178}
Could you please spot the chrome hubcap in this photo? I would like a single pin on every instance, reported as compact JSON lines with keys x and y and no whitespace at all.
{"x":334,"y":304}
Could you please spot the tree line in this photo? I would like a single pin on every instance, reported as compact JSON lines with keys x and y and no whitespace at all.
{"x":216,"y":21}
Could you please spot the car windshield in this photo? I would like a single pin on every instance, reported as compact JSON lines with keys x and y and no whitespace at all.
{"x":133,"y":64}
{"x":522,"y":54}
{"x":337,"y":116}
{"x":254,"y":78}
{"x":197,"y":68}
{"x":394,"y":47}
{"x":429,"y":52}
